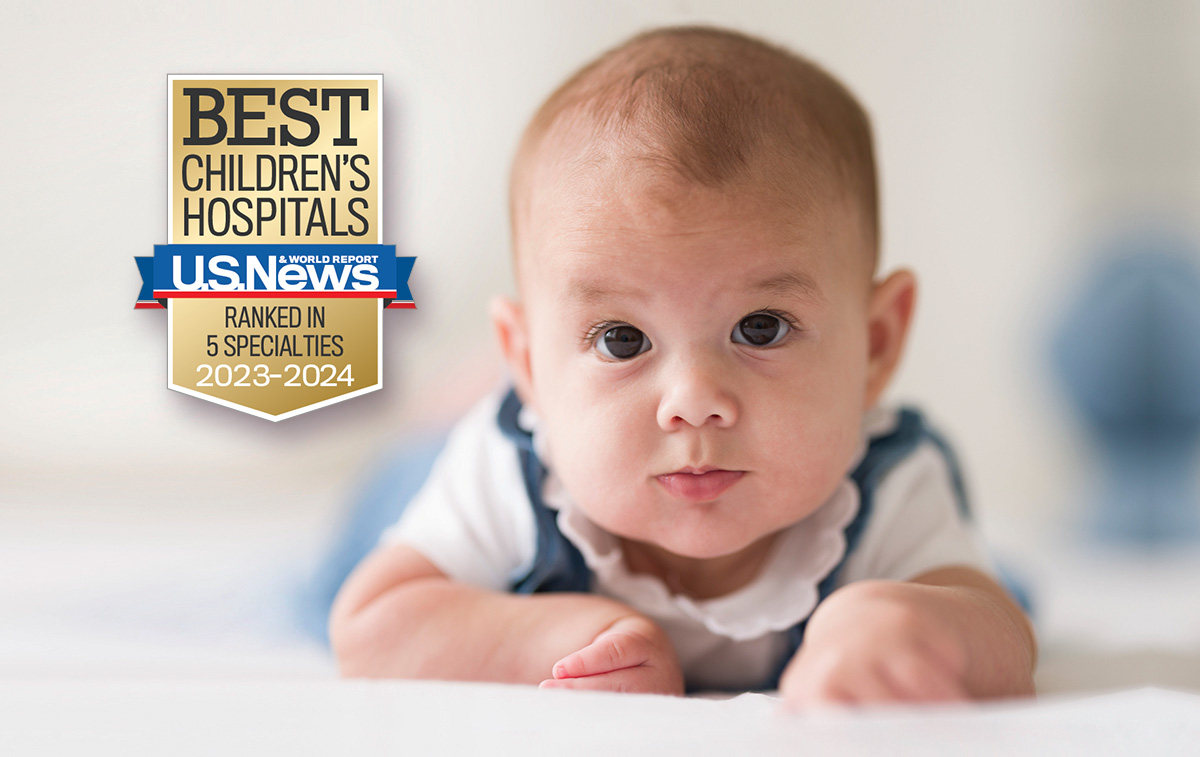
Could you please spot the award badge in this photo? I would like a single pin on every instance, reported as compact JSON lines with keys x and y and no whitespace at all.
{"x":274,"y":275}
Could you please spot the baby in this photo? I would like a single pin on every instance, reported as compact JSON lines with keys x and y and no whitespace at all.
{"x":691,"y":485}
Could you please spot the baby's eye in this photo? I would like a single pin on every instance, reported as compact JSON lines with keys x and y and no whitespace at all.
{"x":760,"y":330}
{"x":622,"y":343}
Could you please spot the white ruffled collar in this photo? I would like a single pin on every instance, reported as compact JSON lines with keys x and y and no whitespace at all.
{"x":784,"y":593}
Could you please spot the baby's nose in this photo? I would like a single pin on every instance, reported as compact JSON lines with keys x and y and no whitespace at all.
{"x":694,"y":394}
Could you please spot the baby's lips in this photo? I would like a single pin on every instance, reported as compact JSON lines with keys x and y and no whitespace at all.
{"x":703,"y":485}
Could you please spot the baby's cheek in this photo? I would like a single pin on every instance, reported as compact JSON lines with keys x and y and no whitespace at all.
{"x":601,"y":467}
{"x":583,"y":454}
{"x":813,"y":458}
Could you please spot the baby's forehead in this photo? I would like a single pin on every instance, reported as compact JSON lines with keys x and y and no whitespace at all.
{"x":598,"y":243}
{"x":619,"y":203}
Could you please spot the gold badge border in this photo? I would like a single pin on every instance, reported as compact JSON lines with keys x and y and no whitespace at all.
{"x":171,"y":78}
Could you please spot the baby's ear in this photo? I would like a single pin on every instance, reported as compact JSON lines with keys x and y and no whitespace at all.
{"x":508,"y":318}
{"x":888,"y":317}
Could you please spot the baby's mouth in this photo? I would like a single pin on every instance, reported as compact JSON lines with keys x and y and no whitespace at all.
{"x":699,"y":484}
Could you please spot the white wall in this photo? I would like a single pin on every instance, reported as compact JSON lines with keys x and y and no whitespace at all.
{"x":1011,"y":137}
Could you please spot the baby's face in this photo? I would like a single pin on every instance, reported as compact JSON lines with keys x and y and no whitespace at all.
{"x":698,"y":357}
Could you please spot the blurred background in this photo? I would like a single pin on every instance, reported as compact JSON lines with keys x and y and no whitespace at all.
{"x":1028,"y":150}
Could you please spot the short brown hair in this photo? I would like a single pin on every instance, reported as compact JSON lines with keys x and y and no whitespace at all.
{"x":713,"y":105}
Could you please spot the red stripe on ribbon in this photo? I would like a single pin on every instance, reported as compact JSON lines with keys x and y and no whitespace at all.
{"x":300,"y":294}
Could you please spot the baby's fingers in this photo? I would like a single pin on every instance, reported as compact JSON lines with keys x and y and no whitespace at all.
{"x":901,"y":677}
{"x":614,"y":649}
{"x":828,"y":685}
{"x":638,"y":680}
{"x":917,"y":680}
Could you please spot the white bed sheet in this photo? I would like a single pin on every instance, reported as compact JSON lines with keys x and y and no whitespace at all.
{"x":419,"y":718}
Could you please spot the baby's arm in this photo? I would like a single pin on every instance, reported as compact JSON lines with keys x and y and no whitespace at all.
{"x":950,"y":634}
{"x":398,"y":616}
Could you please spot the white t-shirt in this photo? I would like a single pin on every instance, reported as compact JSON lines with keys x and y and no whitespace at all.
{"x":474,"y":521}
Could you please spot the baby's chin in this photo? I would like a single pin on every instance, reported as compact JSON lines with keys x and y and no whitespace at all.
{"x":706,"y":542}
{"x":715,"y":548}
{"x":706,"y":531}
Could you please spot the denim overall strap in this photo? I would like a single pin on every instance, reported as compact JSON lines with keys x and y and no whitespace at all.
{"x":883,"y":454}
{"x":557,"y":564}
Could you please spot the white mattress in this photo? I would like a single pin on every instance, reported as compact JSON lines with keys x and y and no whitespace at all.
{"x":420,"y":718}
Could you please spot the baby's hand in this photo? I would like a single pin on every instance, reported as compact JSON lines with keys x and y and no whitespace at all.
{"x":877,"y":641}
{"x":632,"y":655}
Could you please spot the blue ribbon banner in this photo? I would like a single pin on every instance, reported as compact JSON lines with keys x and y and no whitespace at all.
{"x":275,"y":270}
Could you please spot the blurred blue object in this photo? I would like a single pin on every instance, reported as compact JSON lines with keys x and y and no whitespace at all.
{"x":1128,"y":353}
{"x":396,"y":479}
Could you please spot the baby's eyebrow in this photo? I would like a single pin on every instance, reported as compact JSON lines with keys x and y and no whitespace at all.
{"x":790,"y":284}
{"x":587,"y":293}
{"x":787,"y":284}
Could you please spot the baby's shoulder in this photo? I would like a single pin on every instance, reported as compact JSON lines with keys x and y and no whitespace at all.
{"x":914,"y":514}
{"x":892,"y":434}
{"x":906,"y":462}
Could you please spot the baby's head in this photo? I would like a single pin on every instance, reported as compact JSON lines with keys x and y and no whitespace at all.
{"x":695,"y":230}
